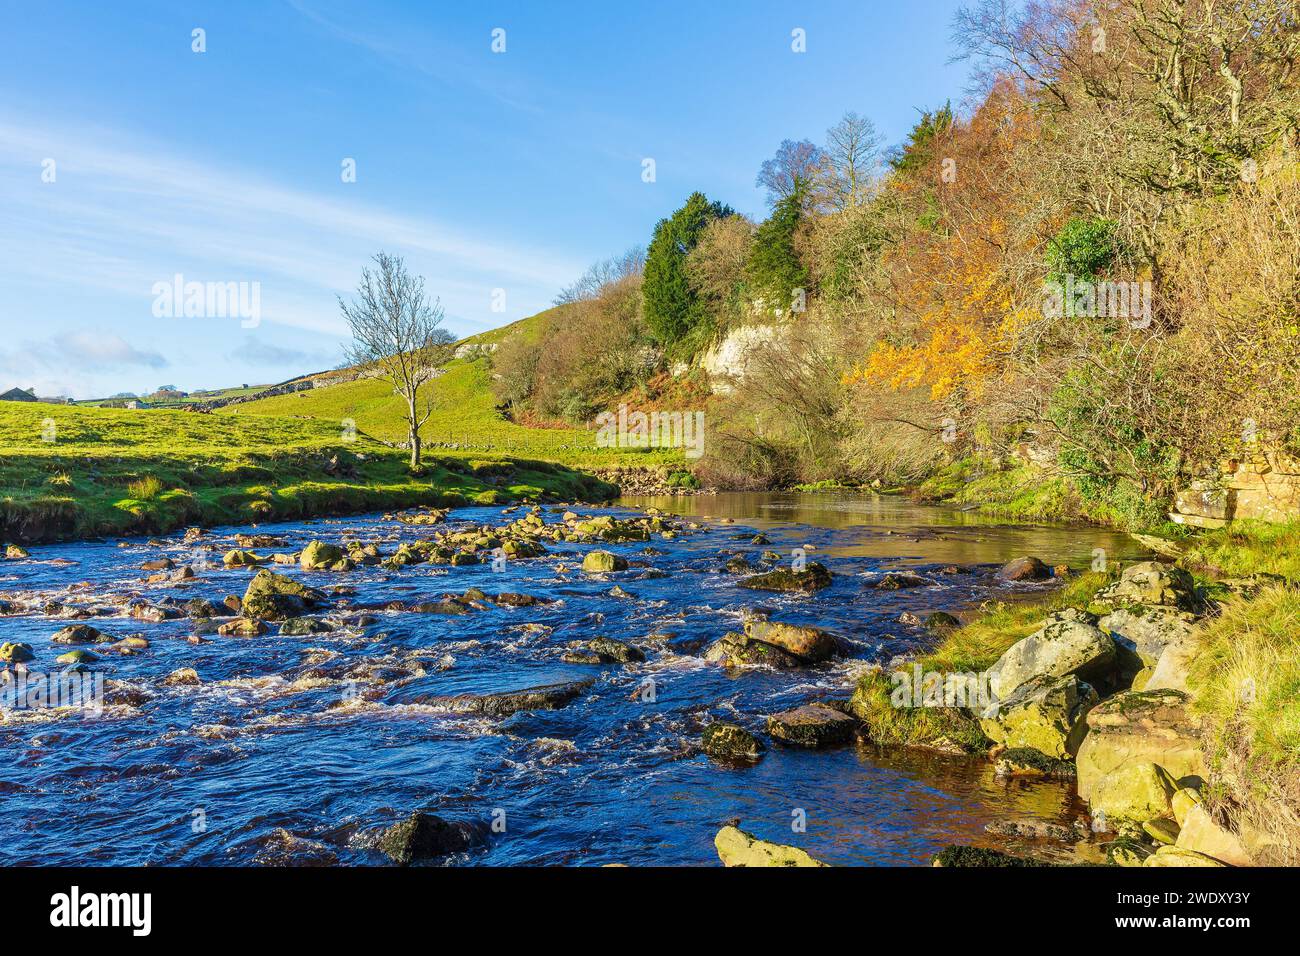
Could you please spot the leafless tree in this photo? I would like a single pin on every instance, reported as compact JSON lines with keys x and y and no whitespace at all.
{"x":602,"y":275}
{"x":395,"y":329}
{"x":852,"y":159}
{"x":793,"y":163}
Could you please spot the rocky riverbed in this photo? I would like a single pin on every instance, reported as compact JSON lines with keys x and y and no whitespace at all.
{"x":506,"y":686}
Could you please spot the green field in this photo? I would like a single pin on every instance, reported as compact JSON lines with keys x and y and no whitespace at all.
{"x":112,"y":471}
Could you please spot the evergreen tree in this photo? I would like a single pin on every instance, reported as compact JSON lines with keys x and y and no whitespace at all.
{"x":671,"y":308}
{"x":774,"y":269}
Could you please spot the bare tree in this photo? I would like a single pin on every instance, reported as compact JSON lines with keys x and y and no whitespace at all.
{"x":852,"y":157}
{"x":794,"y":162}
{"x":395,"y":329}
{"x":601,"y":275}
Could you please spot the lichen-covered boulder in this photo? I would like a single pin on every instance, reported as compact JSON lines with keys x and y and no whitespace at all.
{"x":737,"y":848}
{"x":1046,"y":714}
{"x":1140,"y":727}
{"x":1069,"y":642}
{"x":737,"y":650}
{"x":1133,"y":795}
{"x":1142,"y":632}
{"x":812,"y":725}
{"x":1150,"y":583}
{"x":274,"y":597}
{"x":81,"y":634}
{"x":240,"y":558}
{"x":13,"y":652}
{"x":603,"y":650}
{"x":302,"y":626}
{"x":814,"y":577}
{"x":603,"y":562}
{"x":724,"y":741}
{"x":318,"y":556}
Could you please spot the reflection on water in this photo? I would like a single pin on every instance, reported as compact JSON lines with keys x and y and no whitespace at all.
{"x":295,"y":749}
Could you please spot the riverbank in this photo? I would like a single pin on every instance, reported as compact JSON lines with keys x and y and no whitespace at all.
{"x":70,"y":473}
{"x":1170,"y":700}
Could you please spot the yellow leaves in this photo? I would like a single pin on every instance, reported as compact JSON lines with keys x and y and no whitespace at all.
{"x":951,"y":357}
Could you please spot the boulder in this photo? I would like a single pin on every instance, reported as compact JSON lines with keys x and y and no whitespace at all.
{"x":811,"y":644}
{"x":603,"y":650}
{"x":182,"y":677}
{"x":1046,"y":714}
{"x":731,"y":742}
{"x":1142,"y":632}
{"x":737,"y":650}
{"x":1170,"y":672}
{"x":1134,"y":794}
{"x":812,"y":725}
{"x":13,"y":652}
{"x":1161,"y":830}
{"x":239,"y":558}
{"x":1151,"y":583}
{"x":603,"y":562}
{"x":302,"y":626}
{"x":77,"y":655}
{"x":1177,"y":856}
{"x":81,"y":634}
{"x":1139,"y":727}
{"x":423,"y":836}
{"x":978,"y":856}
{"x":16,"y":552}
{"x":1069,"y":642}
{"x":898,"y":581}
{"x":544,"y":697}
{"x":318,"y":556}
{"x":737,"y":848}
{"x":1201,"y":834}
{"x":274,"y":597}
{"x":242,"y":627}
{"x":1183,"y":801}
{"x":1025,"y":762}
{"x":812,"y":578}
{"x":1024,"y":569}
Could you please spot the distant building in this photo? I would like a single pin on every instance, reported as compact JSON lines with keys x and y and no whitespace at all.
{"x":19,"y":395}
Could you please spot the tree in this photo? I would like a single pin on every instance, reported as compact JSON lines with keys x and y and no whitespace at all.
{"x":851,"y":157}
{"x":794,"y":162}
{"x":774,"y":268}
{"x":394,"y":329}
{"x":601,"y":275}
{"x":671,"y":306}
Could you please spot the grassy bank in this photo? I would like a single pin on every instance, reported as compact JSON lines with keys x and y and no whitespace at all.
{"x":107,"y":471}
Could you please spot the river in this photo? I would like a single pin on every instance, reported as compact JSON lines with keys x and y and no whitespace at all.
{"x":275,"y":759}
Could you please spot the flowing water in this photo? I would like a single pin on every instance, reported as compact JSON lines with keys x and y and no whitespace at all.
{"x":276,"y":758}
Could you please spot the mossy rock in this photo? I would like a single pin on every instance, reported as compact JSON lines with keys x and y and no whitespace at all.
{"x":603,"y":562}
{"x":423,"y":836}
{"x":812,"y":725}
{"x":724,"y":741}
{"x":274,"y":597}
{"x":967,"y":856}
{"x":812,"y":578}
{"x":13,"y":652}
{"x":737,"y":848}
{"x":81,"y":634}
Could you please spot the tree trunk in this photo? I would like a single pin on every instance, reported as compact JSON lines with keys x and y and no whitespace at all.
{"x":413,"y":430}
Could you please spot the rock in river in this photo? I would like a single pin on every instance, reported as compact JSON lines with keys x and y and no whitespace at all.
{"x":423,"y":836}
{"x":603,"y":650}
{"x":1069,"y":642}
{"x":1024,"y":569}
{"x":544,"y":697}
{"x":812,"y":725}
{"x":602,"y":562}
{"x":737,"y":848}
{"x":12,"y":652}
{"x":318,"y":556}
{"x":810,"y":644}
{"x":81,"y":634}
{"x":274,"y":597}
{"x":731,"y":742}
{"x":813,"y":578}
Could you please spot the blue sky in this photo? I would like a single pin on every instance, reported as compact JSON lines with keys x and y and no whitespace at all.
{"x":488,"y":171}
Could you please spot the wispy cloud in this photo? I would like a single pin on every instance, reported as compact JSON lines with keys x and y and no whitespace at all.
{"x":54,"y":364}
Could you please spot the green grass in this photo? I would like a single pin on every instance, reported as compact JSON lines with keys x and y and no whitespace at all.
{"x":112,"y":471}
{"x":465,"y":420}
{"x":1248,"y":547}
{"x":1245,"y":681}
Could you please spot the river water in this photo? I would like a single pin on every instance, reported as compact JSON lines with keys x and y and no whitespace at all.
{"x":274,"y":758}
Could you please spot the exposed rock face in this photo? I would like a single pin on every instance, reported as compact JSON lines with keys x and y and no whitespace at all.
{"x":738,"y":848}
{"x":274,"y":597}
{"x":813,"y":578}
{"x":423,"y":836}
{"x":1069,"y":642}
{"x":1024,"y":569}
{"x":545,"y":697}
{"x":1151,"y":583}
{"x":728,"y":362}
{"x":1134,"y":794}
{"x":1139,"y":727}
{"x":1265,"y":488}
{"x":731,"y":742}
{"x":1045,"y":714}
{"x":603,"y":562}
{"x":812,"y":725}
